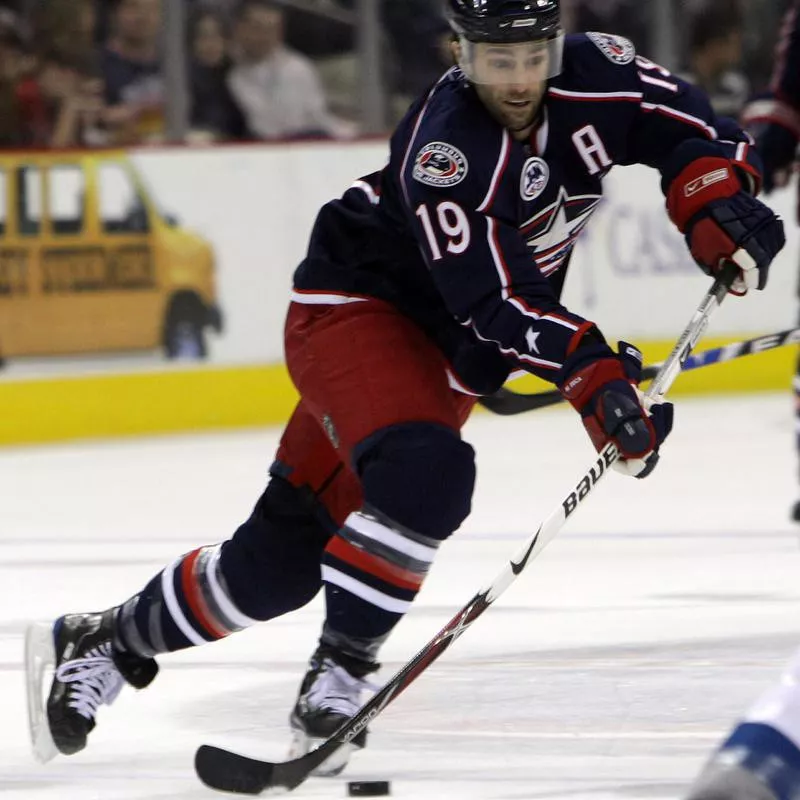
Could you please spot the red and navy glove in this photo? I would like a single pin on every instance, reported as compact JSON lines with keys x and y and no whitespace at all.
{"x":723,"y":222}
{"x":775,"y":126}
{"x":603,"y":387}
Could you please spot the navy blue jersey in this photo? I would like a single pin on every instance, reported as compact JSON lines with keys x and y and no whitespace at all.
{"x":786,"y":78}
{"x":469,"y":231}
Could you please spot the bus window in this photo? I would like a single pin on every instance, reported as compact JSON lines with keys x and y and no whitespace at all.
{"x":66,"y":199}
{"x":121,"y":207}
{"x":29,"y":200}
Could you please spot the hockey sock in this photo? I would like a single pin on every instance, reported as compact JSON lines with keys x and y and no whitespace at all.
{"x":186,"y":604}
{"x":372,"y":570}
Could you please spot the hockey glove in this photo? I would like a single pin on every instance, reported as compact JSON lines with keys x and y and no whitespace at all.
{"x":603,"y":387}
{"x":775,"y":126}
{"x":722,"y":222}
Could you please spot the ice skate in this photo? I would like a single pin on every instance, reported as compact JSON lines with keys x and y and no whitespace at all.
{"x":87,"y":672}
{"x":721,"y":781}
{"x":329,"y":695}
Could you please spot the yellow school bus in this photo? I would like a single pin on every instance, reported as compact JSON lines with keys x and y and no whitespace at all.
{"x":88,"y":263}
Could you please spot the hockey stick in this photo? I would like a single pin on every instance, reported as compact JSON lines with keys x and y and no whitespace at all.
{"x":507,"y":403}
{"x":230,"y":772}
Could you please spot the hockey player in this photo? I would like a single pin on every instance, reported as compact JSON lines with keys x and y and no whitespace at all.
{"x":774,"y":121}
{"x":760,"y":759}
{"x":424,"y":286}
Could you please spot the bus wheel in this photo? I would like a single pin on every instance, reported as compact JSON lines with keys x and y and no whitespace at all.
{"x":184,"y":337}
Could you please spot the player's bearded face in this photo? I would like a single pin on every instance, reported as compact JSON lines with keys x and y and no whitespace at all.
{"x":510,"y":78}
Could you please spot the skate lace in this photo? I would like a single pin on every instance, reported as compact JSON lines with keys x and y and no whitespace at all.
{"x":94,"y":678}
{"x":336,"y":690}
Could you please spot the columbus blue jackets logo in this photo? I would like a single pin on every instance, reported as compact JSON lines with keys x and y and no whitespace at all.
{"x":440,"y":164}
{"x":614,"y":48}
{"x":535,"y":174}
{"x":552,"y":233}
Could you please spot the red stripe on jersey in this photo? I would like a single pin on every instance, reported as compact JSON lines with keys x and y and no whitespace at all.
{"x":584,"y":97}
{"x":191,"y":591}
{"x":498,"y":258}
{"x":576,"y":339}
{"x":544,"y":316}
{"x":502,"y":163}
{"x":523,"y":304}
{"x":741,"y":152}
{"x":374,"y":565}
{"x":695,"y":123}
{"x":332,"y":292}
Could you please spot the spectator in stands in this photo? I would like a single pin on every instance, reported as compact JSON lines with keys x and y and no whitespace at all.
{"x":131,"y":66}
{"x":60,"y":104}
{"x":277,"y":89}
{"x":214,"y":113}
{"x":715,"y":54}
{"x":68,"y":28}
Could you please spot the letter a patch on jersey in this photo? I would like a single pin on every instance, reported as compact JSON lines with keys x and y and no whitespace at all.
{"x":440,"y":164}
{"x":614,"y":48}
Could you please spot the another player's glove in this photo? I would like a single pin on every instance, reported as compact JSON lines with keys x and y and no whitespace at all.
{"x":775,"y":126}
{"x":603,"y":387}
{"x":723,"y":222}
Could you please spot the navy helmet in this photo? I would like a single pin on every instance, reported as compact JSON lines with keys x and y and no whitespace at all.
{"x":505,"y":21}
{"x":515,"y":27}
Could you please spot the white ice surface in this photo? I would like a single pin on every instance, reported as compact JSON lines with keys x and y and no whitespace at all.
{"x":608,"y":671}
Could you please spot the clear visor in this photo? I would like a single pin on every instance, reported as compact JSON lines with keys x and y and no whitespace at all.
{"x":520,"y":63}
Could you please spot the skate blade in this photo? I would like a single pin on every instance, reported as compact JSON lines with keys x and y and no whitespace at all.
{"x":40,"y":655}
{"x":332,"y":766}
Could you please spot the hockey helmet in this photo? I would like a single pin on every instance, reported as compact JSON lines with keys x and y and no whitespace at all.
{"x":504,"y":20}
{"x":520,"y":28}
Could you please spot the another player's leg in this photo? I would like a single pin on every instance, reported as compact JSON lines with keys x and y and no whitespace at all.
{"x":389,"y":410}
{"x":760,"y":760}
{"x":269,"y":567}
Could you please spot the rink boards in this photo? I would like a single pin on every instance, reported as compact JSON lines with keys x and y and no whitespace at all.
{"x":237,"y":248}
{"x":120,"y":405}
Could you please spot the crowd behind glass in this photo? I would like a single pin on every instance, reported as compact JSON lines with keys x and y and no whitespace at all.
{"x":91,"y":72}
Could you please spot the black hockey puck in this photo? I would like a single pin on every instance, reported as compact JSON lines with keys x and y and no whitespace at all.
{"x":367,"y":788}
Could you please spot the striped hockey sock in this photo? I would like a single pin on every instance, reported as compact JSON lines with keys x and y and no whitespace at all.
{"x":186,"y":604}
{"x":372,"y":569}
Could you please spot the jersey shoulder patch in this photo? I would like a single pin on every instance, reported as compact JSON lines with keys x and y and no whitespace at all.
{"x":616,"y":49}
{"x":440,"y":164}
